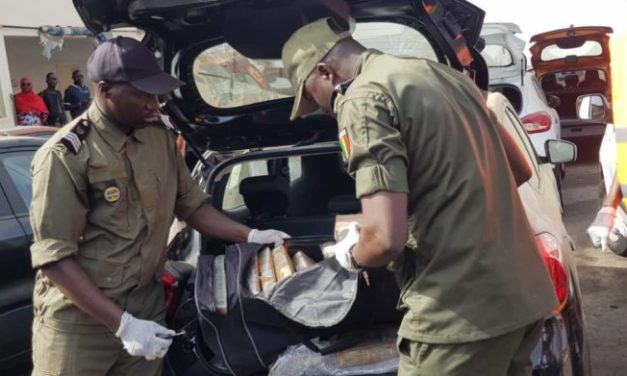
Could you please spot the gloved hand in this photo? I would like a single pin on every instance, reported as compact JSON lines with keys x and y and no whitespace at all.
{"x":267,"y":236}
{"x":144,"y":338}
{"x":343,"y":248}
{"x":600,"y":228}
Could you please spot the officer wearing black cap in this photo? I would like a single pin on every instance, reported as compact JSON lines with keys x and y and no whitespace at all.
{"x":105,"y":190}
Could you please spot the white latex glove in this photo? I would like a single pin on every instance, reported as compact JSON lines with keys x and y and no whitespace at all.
{"x":267,"y":237}
{"x":600,"y":228}
{"x":144,"y":338}
{"x":342,"y":249}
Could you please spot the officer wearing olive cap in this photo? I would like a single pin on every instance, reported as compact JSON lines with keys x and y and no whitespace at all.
{"x":105,"y":190}
{"x":437,"y":180}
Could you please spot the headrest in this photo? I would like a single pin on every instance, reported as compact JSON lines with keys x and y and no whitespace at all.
{"x":572,"y":80}
{"x":265,"y":196}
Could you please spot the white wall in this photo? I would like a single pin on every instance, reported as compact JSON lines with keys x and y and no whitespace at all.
{"x":36,"y":13}
{"x":25,"y":59}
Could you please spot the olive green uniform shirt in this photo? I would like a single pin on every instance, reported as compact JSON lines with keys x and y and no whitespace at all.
{"x":471,"y":269}
{"x":109,"y":206}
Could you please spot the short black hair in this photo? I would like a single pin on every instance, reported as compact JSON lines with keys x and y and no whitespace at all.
{"x":75,"y":72}
{"x":48,"y":75}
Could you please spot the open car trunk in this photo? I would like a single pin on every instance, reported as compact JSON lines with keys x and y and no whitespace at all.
{"x":183,"y":30}
{"x":503,"y":52}
{"x":573,"y":62}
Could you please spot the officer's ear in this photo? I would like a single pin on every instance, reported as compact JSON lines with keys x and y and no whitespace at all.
{"x":325,"y":71}
{"x":104,"y":89}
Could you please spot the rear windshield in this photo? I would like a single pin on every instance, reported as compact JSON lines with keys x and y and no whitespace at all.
{"x":589,"y":48}
{"x":227,"y":79}
{"x":496,"y":55}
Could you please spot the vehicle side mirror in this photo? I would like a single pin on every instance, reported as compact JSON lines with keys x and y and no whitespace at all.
{"x":553,"y":100}
{"x":560,"y":151}
{"x":592,"y":107}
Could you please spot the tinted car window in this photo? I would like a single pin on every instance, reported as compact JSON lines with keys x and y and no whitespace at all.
{"x":17,"y":166}
{"x":227,"y":79}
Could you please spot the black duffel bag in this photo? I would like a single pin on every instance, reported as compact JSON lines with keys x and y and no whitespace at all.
{"x":323,"y":300}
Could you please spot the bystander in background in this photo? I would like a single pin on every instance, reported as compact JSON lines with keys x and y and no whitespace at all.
{"x":54,"y":101}
{"x":29,"y":107}
{"x":77,"y":96}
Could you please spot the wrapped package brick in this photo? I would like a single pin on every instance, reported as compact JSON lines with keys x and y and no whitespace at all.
{"x":267,"y":275}
{"x":301,"y":261}
{"x":219,"y":285}
{"x":283,"y":266}
{"x":253,"y":277}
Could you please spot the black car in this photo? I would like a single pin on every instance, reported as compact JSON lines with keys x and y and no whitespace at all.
{"x":235,"y":105}
{"x":16,"y":273}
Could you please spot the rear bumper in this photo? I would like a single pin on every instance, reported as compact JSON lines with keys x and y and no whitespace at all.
{"x":562,"y":349}
{"x":582,"y":130}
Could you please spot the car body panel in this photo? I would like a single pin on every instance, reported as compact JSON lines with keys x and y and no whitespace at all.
{"x":16,"y":273}
{"x":579,"y":63}
{"x":30,"y":131}
{"x":562,"y":349}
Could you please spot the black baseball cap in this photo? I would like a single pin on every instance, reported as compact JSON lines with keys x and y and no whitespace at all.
{"x":126,"y":60}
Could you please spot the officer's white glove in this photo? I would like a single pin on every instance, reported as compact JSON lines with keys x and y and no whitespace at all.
{"x":267,"y":236}
{"x":144,"y":338}
{"x":600,"y":228}
{"x":343,"y":248}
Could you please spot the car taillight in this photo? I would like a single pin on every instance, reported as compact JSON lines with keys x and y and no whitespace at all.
{"x":537,"y":122}
{"x":170,"y":285}
{"x":554,"y":261}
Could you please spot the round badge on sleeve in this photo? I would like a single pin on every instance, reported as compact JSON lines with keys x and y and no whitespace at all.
{"x":112,"y":194}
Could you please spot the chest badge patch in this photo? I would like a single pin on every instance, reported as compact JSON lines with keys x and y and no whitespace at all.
{"x":112,"y":194}
{"x":345,"y":144}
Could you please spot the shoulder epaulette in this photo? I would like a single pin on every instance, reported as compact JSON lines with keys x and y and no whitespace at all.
{"x":73,"y":140}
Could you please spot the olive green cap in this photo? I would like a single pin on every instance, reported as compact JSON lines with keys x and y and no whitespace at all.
{"x":305,"y":48}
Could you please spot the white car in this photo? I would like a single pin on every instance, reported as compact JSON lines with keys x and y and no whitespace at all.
{"x":507,"y":65}
{"x":562,"y":334}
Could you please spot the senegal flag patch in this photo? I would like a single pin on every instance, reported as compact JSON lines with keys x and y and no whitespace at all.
{"x":345,"y":144}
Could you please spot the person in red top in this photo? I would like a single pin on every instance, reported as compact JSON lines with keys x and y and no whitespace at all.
{"x":30,"y":108}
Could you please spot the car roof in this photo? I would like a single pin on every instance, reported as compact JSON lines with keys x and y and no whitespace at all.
{"x":20,"y":141}
{"x":26,"y":130}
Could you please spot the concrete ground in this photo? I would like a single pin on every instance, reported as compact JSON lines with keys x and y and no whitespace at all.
{"x":603,"y":276}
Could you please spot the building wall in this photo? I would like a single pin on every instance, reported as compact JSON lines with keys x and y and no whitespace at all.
{"x":35,"y":13}
{"x":25,"y":59}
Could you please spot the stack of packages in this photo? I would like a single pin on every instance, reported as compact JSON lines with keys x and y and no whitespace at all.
{"x":272,"y":266}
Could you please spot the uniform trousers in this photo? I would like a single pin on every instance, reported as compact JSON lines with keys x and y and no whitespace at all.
{"x":507,"y":354}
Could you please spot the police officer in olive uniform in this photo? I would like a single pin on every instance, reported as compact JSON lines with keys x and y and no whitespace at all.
{"x":106,"y":188}
{"x":437,"y":181}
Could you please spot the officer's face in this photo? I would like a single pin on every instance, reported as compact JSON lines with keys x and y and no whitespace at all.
{"x":319,"y":87}
{"x":130,"y":106}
